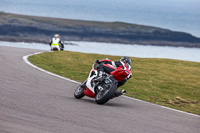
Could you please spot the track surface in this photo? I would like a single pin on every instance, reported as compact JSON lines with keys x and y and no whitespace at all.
{"x":32,"y":101}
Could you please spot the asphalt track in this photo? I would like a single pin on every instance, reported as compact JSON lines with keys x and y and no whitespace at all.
{"x":32,"y":101}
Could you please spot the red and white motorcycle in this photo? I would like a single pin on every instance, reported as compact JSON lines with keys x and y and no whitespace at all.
{"x":101,"y":91}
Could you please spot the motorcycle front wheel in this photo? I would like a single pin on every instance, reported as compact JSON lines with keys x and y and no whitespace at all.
{"x":79,"y":92}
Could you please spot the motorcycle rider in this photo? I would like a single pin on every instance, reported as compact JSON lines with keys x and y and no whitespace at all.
{"x":56,"y":41}
{"x":107,"y":66}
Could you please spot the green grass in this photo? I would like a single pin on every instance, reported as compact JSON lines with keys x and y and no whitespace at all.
{"x":171,"y":83}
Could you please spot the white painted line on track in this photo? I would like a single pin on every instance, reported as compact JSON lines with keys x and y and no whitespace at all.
{"x":25,"y":58}
{"x":162,"y":106}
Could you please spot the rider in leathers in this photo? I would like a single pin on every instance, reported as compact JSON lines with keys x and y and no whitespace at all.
{"x":57,"y":41}
{"x":107,"y":66}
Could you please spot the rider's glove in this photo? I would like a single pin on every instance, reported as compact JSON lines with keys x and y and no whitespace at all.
{"x":129,"y":76}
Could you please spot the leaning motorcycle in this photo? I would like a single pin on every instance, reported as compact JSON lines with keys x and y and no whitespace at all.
{"x":101,"y":91}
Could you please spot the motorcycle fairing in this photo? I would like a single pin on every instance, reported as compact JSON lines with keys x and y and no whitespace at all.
{"x":121,"y":74}
{"x":89,"y":91}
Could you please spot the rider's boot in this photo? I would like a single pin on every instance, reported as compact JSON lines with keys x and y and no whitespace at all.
{"x":119,"y":93}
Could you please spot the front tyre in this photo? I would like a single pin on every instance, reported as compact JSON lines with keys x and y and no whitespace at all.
{"x":79,"y":92}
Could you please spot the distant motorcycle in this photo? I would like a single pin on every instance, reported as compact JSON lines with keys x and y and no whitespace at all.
{"x":56,"y":48}
{"x":101,"y":91}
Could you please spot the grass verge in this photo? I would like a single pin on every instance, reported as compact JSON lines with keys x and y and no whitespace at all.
{"x":166,"y":82}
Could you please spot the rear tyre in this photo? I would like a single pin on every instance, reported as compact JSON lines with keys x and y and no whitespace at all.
{"x":79,"y":92}
{"x":106,"y":94}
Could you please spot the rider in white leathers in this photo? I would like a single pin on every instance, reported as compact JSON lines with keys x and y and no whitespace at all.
{"x":56,"y":42}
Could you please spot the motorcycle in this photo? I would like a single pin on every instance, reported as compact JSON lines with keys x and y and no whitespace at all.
{"x":56,"y":48}
{"x":101,"y":91}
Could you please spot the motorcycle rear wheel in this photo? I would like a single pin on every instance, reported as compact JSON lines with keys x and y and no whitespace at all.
{"x":103,"y":96}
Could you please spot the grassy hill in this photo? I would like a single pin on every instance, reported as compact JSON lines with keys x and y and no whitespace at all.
{"x":40,"y":29}
{"x":165,"y":82}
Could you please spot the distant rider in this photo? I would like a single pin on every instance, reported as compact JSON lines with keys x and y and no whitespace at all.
{"x":56,"y":41}
{"x":107,"y":66}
